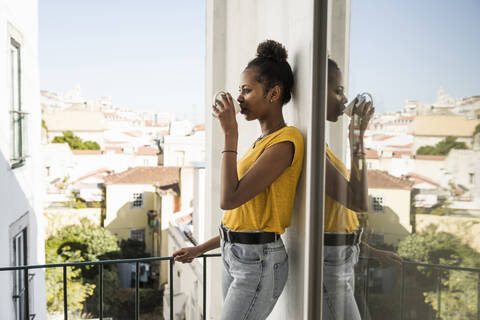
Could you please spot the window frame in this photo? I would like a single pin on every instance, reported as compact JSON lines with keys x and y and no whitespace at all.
{"x":19,"y":241}
{"x":140,"y":231}
{"x":376,"y":204}
{"x":135,"y":199}
{"x":17,"y":115}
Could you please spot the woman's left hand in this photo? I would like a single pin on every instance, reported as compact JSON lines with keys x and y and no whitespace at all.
{"x":365,"y":112}
{"x":387,"y":258}
{"x":225,"y":112}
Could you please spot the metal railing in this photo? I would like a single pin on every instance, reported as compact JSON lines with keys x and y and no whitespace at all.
{"x":100,"y":265}
{"x":437,"y":268}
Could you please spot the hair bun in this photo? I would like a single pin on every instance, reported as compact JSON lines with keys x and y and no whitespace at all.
{"x":272,"y":49}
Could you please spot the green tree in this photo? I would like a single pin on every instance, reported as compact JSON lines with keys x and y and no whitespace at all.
{"x":91,"y":240}
{"x":442,"y":148}
{"x":75,"y":243}
{"x":457,"y":287}
{"x":75,"y":142}
{"x":78,"y":290}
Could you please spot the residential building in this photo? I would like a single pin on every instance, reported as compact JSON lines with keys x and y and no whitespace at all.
{"x":461,"y":167}
{"x":431,"y":167}
{"x":21,"y":237}
{"x":137,"y":200}
{"x":429,"y":192}
{"x":389,"y":211}
{"x":431,"y":129}
{"x":184,"y":150}
{"x":84,"y":124}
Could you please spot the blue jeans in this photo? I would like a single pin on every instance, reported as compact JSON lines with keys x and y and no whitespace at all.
{"x":253,"y":278}
{"x":339,"y":283}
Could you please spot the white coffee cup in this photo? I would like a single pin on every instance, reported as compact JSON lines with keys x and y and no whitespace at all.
{"x":218,"y":96}
{"x":361,"y":97}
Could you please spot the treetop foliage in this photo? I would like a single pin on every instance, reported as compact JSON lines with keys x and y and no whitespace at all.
{"x":75,"y":142}
{"x":442,"y":148}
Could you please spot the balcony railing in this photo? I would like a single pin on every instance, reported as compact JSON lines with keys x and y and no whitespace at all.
{"x":438,"y":271}
{"x":25,"y":291}
{"x":364,"y":266}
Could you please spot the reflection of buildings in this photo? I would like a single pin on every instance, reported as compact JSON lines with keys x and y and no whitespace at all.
{"x":431,"y":129}
{"x":389,"y":219}
{"x":445,"y":104}
{"x":20,"y":184}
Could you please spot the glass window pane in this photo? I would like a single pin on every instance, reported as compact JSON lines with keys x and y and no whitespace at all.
{"x":415,"y":164}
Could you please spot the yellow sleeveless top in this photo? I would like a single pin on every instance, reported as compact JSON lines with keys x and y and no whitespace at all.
{"x":271,"y":209}
{"x":338,"y":218}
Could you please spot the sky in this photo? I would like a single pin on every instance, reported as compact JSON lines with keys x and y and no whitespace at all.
{"x":403,"y":50}
{"x":150,"y":54}
{"x":146,"y":54}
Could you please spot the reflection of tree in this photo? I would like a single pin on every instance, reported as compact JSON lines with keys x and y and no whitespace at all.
{"x":458,"y":289}
{"x":442,"y":148}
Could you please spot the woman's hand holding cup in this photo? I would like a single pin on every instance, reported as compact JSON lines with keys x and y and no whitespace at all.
{"x":225,"y":110}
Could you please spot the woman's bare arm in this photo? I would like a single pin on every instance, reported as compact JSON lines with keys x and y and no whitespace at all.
{"x":268,"y":168}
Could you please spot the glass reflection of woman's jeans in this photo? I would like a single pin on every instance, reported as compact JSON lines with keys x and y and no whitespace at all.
{"x":253,"y":278}
{"x":339,"y":283}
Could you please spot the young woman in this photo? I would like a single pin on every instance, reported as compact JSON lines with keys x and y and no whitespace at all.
{"x":258,"y":191}
{"x":344,"y":197}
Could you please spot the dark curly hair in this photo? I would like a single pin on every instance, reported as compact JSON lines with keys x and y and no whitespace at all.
{"x":273,"y":68}
{"x":332,"y":66}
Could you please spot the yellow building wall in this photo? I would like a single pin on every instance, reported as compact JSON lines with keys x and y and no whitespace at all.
{"x":121,"y":218}
{"x":394,"y":222}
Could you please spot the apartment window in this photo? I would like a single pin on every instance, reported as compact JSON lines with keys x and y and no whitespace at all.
{"x":19,"y":259}
{"x":137,"y":201}
{"x":17,"y":116}
{"x":377,"y":204}
{"x":137,"y":234}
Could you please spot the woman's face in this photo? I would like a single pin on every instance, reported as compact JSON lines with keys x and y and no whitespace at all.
{"x":336,"y":99}
{"x":252,"y":98}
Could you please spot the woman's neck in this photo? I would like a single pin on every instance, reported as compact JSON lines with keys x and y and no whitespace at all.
{"x":271,"y":125}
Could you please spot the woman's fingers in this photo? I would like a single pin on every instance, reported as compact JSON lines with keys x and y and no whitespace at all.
{"x":215,"y":110}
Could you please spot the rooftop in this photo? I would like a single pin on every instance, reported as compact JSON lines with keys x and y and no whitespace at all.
{"x":160,"y":176}
{"x":378,"y":179}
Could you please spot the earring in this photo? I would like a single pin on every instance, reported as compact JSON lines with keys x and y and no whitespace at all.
{"x":271,"y":100}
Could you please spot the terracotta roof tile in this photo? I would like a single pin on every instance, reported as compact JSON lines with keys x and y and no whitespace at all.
{"x":371,"y":154}
{"x":400,"y":153}
{"x":417,"y":179}
{"x":378,"y":179}
{"x":147,"y":151}
{"x":100,"y":173}
{"x":114,"y":149}
{"x":160,"y":176}
{"x":86,"y":152}
{"x":428,"y":157}
{"x":384,"y":138}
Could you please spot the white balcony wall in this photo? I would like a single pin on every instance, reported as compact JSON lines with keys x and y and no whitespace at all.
{"x":234,"y":29}
{"x":20,"y":188}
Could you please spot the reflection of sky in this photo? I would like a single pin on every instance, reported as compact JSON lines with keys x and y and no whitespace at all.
{"x":145,"y":54}
{"x":407,"y":49}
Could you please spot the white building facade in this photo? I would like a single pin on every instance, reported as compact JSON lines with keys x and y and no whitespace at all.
{"x":21,"y":240}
